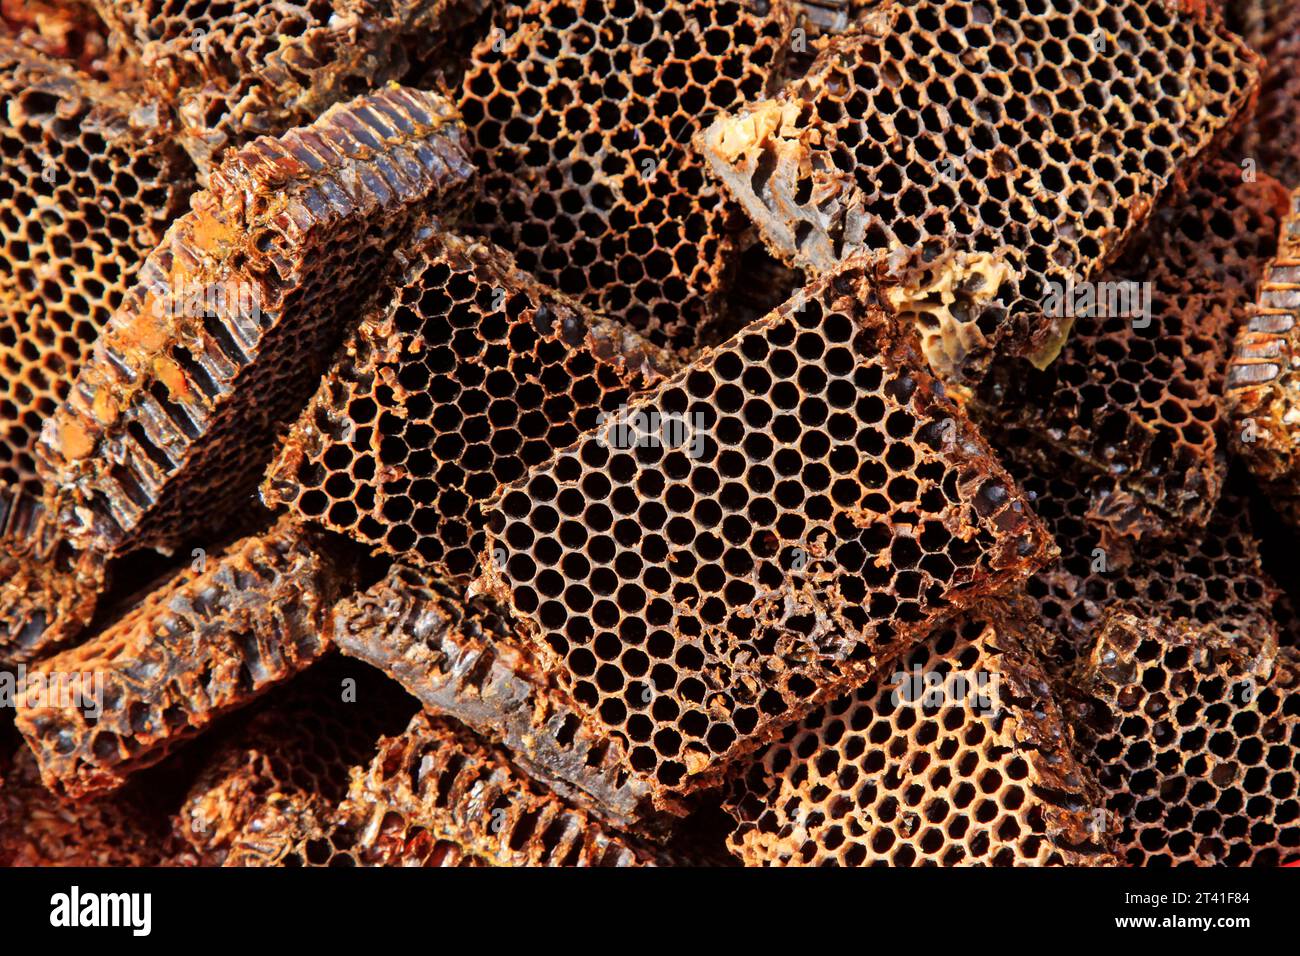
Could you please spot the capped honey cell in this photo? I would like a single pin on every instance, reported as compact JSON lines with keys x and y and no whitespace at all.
{"x":736,"y":546}
{"x":978,"y":151}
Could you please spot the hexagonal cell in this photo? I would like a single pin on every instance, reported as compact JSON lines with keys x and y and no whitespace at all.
{"x":581,"y":115}
{"x":89,"y":181}
{"x":1195,"y":741}
{"x":1135,"y":396}
{"x":233,"y":318}
{"x":469,"y":375}
{"x":980,"y":151}
{"x":206,"y":641}
{"x":956,"y":755}
{"x":767,"y":526}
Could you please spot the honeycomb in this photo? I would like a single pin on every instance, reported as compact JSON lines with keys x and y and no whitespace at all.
{"x":1195,"y":742}
{"x":437,"y":790}
{"x":790,"y":509}
{"x":1263,"y":378}
{"x":1139,"y":398}
{"x":459,"y":658}
{"x":61,"y":30}
{"x":957,"y":755}
{"x":208,"y":640}
{"x":1210,"y":577}
{"x":48,"y":592}
{"x":88,"y":185}
{"x":979,"y":152}
{"x":471,"y":374}
{"x":297,"y":750}
{"x":581,"y":115}
{"x":234,"y":71}
{"x":1272,"y":138}
{"x":234,"y":316}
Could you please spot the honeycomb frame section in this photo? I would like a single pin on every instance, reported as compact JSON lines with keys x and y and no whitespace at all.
{"x":774,"y":521}
{"x":979,"y":152}
{"x":469,"y":375}
{"x":233,"y":318}
{"x":207,"y":641}
{"x":956,"y":755}
{"x":588,"y":177}
{"x":1195,"y":739}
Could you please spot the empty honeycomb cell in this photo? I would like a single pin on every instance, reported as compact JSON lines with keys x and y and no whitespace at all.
{"x":1136,"y":393}
{"x":48,"y":591}
{"x":1209,"y":577}
{"x":980,"y":151}
{"x":1195,"y":743}
{"x":437,"y":789}
{"x":1271,"y":138}
{"x":782,"y":515}
{"x":233,"y":318}
{"x":89,"y":181}
{"x":127,"y":828}
{"x":469,"y":375}
{"x":460,"y":658}
{"x":207,"y":641}
{"x":956,"y":755}
{"x":581,"y":115}
{"x":1263,"y":379}
{"x":235,"y":71}
{"x":290,"y":762}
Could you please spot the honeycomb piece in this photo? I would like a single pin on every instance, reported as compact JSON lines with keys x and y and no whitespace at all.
{"x":209,"y":640}
{"x":957,"y":755}
{"x":234,"y":317}
{"x":235,"y":71}
{"x":1136,"y":393}
{"x":127,"y":828}
{"x":769,"y":524}
{"x":581,"y":115}
{"x":460,"y":658}
{"x":979,"y":151}
{"x":1211,"y":576}
{"x":1195,"y":743}
{"x":64,"y":30}
{"x":290,"y":761}
{"x":1271,"y":140}
{"x":48,"y":591}
{"x":88,"y":185}
{"x":1263,"y":379}
{"x":471,"y":374}
{"x":436,"y":784}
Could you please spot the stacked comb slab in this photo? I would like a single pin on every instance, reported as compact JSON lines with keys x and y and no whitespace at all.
{"x":793,"y":507}
{"x":958,"y":757}
{"x":1136,"y":392}
{"x":1195,"y":741}
{"x":581,"y":116}
{"x":234,"y":316}
{"x":211,"y":639}
{"x":470,"y":375}
{"x":978,"y":151}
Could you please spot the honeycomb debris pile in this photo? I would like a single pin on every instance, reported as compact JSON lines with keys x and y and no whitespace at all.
{"x":649,"y":433}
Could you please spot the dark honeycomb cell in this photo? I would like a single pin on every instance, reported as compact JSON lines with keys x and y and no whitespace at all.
{"x":290,"y":761}
{"x":1211,"y":576}
{"x":460,"y":658}
{"x":48,"y":591}
{"x":780,"y":517}
{"x":978,"y":151}
{"x":235,"y":71}
{"x":437,"y":796}
{"x":581,"y":114}
{"x":1263,"y":379}
{"x":207,"y":641}
{"x":956,"y":755}
{"x":469,"y":375}
{"x":88,"y":185}
{"x":1136,"y":393}
{"x":234,"y":316}
{"x":1195,"y":743}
